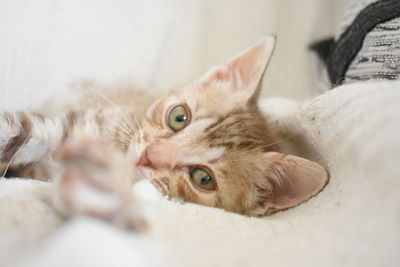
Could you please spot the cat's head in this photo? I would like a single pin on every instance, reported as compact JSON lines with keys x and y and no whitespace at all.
{"x":209,"y":144}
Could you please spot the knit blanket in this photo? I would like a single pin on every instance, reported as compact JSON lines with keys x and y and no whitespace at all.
{"x":353,"y":130}
{"x":367,"y":45}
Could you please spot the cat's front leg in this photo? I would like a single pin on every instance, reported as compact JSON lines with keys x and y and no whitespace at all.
{"x":96,"y":181}
{"x":26,"y":137}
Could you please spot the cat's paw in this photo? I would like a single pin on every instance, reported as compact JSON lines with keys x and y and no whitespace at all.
{"x":96,"y":181}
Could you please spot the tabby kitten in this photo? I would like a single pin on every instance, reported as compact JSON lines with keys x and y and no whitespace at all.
{"x":205,"y":143}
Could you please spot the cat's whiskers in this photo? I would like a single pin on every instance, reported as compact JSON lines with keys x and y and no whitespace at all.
{"x":125,"y":130}
{"x":133,"y":132}
{"x":123,"y":138}
{"x":134,"y":115}
{"x":127,"y":125}
{"x":123,"y":142}
{"x":161,"y":184}
{"x":240,"y":152}
{"x":132,"y":128}
{"x":128,"y":131}
{"x":153,"y":107}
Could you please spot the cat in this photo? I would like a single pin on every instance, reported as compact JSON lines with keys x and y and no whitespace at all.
{"x":206,"y":143}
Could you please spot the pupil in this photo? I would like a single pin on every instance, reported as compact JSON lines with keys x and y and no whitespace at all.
{"x":180,"y":118}
{"x":205,"y":180}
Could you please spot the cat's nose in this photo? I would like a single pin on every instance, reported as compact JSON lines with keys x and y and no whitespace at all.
{"x":144,"y":161}
{"x":158,"y":155}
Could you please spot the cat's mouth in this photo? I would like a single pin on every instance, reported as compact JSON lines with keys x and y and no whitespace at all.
{"x":160,"y":182}
{"x":140,"y":172}
{"x":145,"y":171}
{"x":162,"y":185}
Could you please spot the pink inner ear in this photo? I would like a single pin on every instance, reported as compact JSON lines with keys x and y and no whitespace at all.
{"x":243,"y":72}
{"x":293,"y":180}
{"x":246,"y":70}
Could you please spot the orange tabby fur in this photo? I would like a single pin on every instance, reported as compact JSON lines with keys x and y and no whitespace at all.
{"x":227,"y":136}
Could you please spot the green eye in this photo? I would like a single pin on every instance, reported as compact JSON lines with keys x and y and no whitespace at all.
{"x":202,"y":179}
{"x":178,"y":118}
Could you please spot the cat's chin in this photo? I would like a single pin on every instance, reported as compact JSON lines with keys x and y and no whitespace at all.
{"x":159,"y":181}
{"x":142,"y":173}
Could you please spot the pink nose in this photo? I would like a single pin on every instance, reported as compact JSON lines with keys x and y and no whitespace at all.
{"x":159,"y":155}
{"x":144,"y":161}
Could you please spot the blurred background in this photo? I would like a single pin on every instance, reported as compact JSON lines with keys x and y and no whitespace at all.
{"x":154,"y":44}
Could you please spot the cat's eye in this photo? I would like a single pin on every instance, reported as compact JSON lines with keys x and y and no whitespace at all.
{"x":202,"y":179}
{"x":178,"y":118}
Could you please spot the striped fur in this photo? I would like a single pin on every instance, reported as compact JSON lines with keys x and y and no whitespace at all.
{"x":96,"y":144}
{"x":29,"y":138}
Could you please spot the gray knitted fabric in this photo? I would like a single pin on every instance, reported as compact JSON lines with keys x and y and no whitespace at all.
{"x":379,"y":57}
{"x":352,"y":9}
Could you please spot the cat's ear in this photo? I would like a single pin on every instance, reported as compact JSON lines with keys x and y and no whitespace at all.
{"x":288,"y":181}
{"x":242,"y":74}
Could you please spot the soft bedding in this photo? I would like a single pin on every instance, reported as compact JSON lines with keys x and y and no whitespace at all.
{"x":353,"y":130}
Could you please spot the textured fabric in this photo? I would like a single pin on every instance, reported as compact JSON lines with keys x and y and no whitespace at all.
{"x":379,"y":57}
{"x":369,"y":47}
{"x":353,"y":130}
{"x":353,"y":8}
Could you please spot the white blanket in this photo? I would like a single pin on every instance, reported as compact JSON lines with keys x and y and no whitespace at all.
{"x":353,"y":222}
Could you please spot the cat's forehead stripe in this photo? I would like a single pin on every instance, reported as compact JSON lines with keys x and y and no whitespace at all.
{"x":236,"y":131}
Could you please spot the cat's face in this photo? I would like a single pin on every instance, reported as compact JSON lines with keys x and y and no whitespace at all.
{"x":208,"y":143}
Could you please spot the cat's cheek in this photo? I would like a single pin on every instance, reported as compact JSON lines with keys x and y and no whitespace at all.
{"x":188,"y":192}
{"x":179,"y":188}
